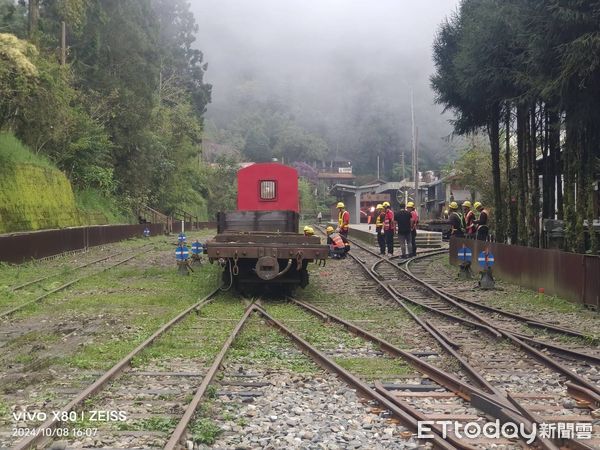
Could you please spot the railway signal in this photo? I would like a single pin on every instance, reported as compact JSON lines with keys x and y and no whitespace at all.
{"x":197,"y":249}
{"x":182,"y":255}
{"x":146,"y":232}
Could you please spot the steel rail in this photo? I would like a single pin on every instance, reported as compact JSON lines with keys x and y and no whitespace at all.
{"x":527,"y":320}
{"x":556,"y":348}
{"x":37,"y":280}
{"x":507,"y":415}
{"x":465,"y":364}
{"x":521,"y":341}
{"x":40,"y":437}
{"x":66,"y":285}
{"x":190,"y":410}
{"x":410,"y":420}
{"x":380,"y":389}
{"x":548,"y":444}
{"x":445,"y":379}
{"x":583,"y":394}
{"x":546,"y":360}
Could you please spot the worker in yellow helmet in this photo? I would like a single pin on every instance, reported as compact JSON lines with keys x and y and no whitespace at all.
{"x":482,"y":222}
{"x":457,"y":221}
{"x":410,"y":207}
{"x":469,"y":216}
{"x":343,"y":219}
{"x":389,"y":226}
{"x":379,"y":218}
{"x":308,"y":231}
{"x":338,"y":245}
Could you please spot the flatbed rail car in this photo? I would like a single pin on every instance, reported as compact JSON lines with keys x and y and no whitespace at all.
{"x":258,"y":245}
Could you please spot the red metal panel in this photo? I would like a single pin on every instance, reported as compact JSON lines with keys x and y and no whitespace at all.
{"x":286,"y":186}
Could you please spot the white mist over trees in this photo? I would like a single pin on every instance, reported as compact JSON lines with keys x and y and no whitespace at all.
{"x":308,"y":79}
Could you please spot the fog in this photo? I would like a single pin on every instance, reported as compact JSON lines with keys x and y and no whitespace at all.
{"x":341,"y":68}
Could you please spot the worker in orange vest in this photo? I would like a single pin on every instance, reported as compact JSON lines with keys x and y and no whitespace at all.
{"x":469,"y":216}
{"x":389,"y":227}
{"x":337,"y":246}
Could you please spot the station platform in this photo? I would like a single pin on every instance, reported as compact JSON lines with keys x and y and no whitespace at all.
{"x":425,"y":239}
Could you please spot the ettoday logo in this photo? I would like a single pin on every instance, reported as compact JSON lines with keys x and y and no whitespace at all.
{"x":508,"y":430}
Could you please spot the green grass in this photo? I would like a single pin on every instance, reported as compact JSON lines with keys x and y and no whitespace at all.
{"x":204,"y":431}
{"x":262,"y":345}
{"x":163,"y":424}
{"x":5,"y":412}
{"x":12,"y":152}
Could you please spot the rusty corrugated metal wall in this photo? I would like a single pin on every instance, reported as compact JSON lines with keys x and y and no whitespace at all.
{"x":573,"y":276}
{"x":21,"y":247}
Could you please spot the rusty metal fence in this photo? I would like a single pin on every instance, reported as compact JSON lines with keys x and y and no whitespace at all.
{"x":21,"y":247}
{"x":573,"y":276}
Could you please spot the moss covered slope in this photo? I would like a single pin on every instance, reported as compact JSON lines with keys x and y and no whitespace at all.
{"x":33,"y":198}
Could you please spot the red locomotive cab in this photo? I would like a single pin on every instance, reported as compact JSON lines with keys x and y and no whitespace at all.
{"x":268,"y":187}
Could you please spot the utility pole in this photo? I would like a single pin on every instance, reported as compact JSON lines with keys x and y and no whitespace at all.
{"x":63,"y":43}
{"x":415,"y":155}
{"x":402,"y":165}
{"x":378,"y":166}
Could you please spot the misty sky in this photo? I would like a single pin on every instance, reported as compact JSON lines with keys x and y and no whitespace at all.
{"x":324,"y":56}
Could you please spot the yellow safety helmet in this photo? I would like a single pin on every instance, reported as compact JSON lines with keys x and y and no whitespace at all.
{"x":453,"y":205}
{"x":467,"y":204}
{"x":410,"y":205}
{"x":477,"y":205}
{"x":329,"y":229}
{"x":309,"y":230}
{"x":379,"y":206}
{"x":385,"y":204}
{"x":340,"y":205}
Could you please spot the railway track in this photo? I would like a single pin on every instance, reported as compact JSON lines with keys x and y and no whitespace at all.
{"x":138,"y":384}
{"x":11,"y":310}
{"x":509,"y":369}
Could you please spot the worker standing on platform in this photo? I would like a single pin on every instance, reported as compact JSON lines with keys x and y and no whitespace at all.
{"x":379,"y":218}
{"x":388,"y":227}
{"x":457,"y":221}
{"x":469,"y":219}
{"x":405,"y":222}
{"x":481,"y":222}
{"x":343,"y":219}
{"x":410,"y":206}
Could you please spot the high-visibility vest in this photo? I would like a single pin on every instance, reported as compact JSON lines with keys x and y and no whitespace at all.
{"x":343,"y":220}
{"x":461,"y":220}
{"x":388,"y":222}
{"x":379,"y":220}
{"x":469,"y":225}
{"x":337,"y":241}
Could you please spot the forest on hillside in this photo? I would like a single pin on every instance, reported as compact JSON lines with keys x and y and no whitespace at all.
{"x":123,"y":112}
{"x":527,"y":73}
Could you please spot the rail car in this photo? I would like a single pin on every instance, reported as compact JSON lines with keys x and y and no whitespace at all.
{"x":258,"y":245}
